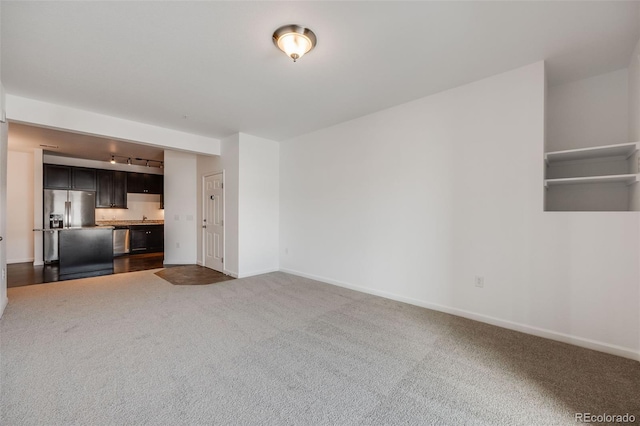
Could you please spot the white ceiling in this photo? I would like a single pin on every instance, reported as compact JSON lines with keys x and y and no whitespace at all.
{"x":26,"y":138}
{"x":154,"y":62}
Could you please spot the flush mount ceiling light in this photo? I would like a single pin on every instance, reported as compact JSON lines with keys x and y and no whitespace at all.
{"x":294,"y":40}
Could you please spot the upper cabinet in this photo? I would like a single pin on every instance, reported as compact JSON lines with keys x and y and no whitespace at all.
{"x":57,"y":177}
{"x":145,"y":183}
{"x":83,"y":179}
{"x":111,"y":186}
{"x":112,"y":189}
{"x":65,"y":177}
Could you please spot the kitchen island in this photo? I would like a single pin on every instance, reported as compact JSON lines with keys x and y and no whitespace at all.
{"x":84,"y":251}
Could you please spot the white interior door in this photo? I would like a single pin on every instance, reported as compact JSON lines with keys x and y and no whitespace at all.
{"x":213,"y":222}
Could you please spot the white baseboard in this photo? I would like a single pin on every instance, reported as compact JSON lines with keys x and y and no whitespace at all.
{"x":249,"y":274}
{"x":511,"y":325}
{"x":254,"y":273}
{"x":38,"y":262}
{"x":3,"y":304}
{"x":199,"y":263}
{"x":25,"y":260}
{"x":230,"y":273}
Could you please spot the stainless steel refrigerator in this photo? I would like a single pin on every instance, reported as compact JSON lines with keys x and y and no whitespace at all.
{"x":65,"y":209}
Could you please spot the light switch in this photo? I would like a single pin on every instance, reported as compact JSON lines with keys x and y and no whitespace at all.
{"x":189,"y":217}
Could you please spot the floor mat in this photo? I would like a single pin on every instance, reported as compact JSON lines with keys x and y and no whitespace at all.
{"x":192,"y":275}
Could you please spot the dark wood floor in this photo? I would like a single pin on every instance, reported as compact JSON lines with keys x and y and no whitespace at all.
{"x":21,"y":274}
{"x":192,"y":275}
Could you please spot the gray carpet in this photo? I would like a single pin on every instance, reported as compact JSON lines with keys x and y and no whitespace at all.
{"x":279,"y":349}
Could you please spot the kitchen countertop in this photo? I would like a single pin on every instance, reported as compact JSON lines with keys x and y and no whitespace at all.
{"x":128,"y":222}
{"x":76,"y":228}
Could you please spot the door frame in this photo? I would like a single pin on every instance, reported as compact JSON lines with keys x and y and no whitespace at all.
{"x":224,"y":219}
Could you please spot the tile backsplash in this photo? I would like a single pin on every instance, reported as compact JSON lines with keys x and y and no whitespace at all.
{"x":138,"y":205}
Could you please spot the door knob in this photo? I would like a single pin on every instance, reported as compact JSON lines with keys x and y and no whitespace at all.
{"x":1,"y":238}
{"x":204,"y":226}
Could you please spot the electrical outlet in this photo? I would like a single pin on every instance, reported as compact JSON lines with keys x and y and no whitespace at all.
{"x":4,"y":274}
{"x":177,"y":245}
{"x":479,"y":281}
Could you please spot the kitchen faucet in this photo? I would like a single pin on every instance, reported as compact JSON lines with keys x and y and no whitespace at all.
{"x":144,"y":218}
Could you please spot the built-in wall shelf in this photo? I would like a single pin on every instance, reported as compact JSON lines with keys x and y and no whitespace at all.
{"x":625,"y":150}
{"x":600,"y":178}
{"x":627,"y":179}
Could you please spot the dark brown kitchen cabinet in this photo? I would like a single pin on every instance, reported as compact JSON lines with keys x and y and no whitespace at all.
{"x":83,"y":179}
{"x":120,"y":189}
{"x":146,"y":238}
{"x":57,"y":177}
{"x":145,"y":183}
{"x":66,"y":177}
{"x":134,"y":183}
{"x":111,"y":189}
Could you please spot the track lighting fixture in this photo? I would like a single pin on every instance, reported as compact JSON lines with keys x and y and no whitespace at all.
{"x":131,"y":161}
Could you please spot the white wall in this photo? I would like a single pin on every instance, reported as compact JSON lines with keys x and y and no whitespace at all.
{"x":19,"y":234}
{"x":414,"y":201}
{"x":3,"y":208}
{"x":634,"y":116}
{"x":258,"y":205}
{"x":3,"y":195}
{"x":634,"y":95}
{"x":634,"y":121}
{"x":589,"y":112}
{"x":38,"y":208}
{"x":230,"y":163}
{"x":180,"y":227}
